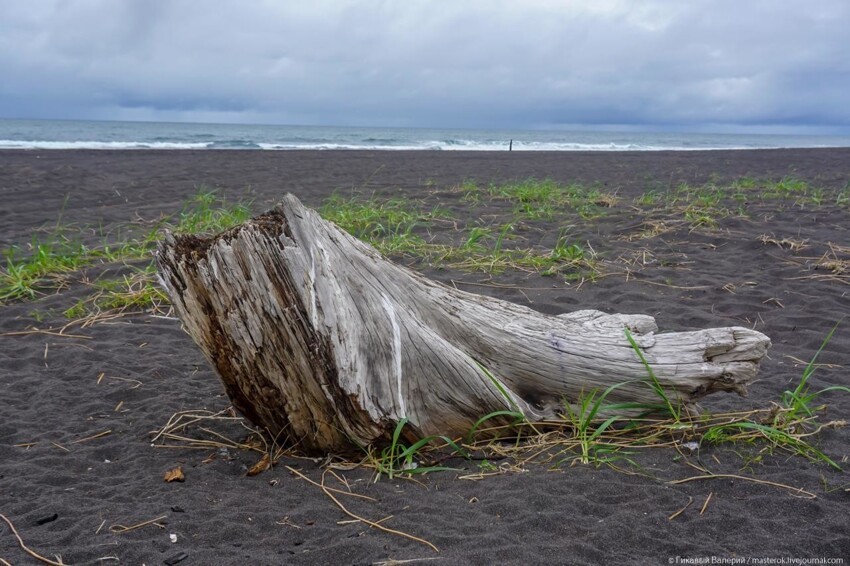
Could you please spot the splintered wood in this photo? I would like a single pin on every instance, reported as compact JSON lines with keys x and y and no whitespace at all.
{"x":327,"y":344}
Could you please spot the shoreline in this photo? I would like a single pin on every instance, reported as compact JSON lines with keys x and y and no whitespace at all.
{"x":424,"y":150}
{"x":154,"y":135}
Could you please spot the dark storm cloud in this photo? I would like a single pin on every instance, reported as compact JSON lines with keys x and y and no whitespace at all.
{"x":514,"y":64}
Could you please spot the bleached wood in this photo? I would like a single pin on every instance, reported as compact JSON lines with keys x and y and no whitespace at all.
{"x":323,"y":341}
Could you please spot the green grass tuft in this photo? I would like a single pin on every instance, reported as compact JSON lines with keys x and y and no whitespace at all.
{"x":546,"y":198}
{"x":209,"y":213}
{"x":47,"y":264}
{"x":398,"y":458}
{"x":582,"y":416}
{"x":388,"y":225}
{"x":26,"y":274}
{"x":799,"y":401}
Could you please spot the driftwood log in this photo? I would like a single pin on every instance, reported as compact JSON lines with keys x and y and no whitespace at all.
{"x":328,"y":345}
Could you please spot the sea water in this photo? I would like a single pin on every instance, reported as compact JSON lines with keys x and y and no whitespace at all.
{"x":73,"y":134}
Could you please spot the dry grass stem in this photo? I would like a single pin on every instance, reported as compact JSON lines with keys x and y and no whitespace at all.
{"x":374,"y":524}
{"x":705,"y":505}
{"x":790,"y":243}
{"x":796,"y":490}
{"x":392,"y":562}
{"x":682,"y":510}
{"x":119,"y":529}
{"x":136,"y":382}
{"x":172,"y":435}
{"x":797,"y":361}
{"x":287,"y":522}
{"x":86,"y":439}
{"x":671,"y":286}
{"x":308,"y":480}
{"x":25,"y":548}
{"x":49,"y":332}
{"x":498,"y":286}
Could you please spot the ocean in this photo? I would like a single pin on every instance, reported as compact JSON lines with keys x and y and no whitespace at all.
{"x":78,"y":134}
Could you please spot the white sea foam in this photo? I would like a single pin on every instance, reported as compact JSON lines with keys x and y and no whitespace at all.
{"x":52,"y":134}
{"x":37,"y":144}
{"x":472,"y":145}
{"x":335,"y":146}
{"x":451,"y":145}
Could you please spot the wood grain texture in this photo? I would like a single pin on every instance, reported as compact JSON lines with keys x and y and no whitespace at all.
{"x":327,"y":344}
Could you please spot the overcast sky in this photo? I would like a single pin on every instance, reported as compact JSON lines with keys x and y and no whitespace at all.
{"x":738,"y":65}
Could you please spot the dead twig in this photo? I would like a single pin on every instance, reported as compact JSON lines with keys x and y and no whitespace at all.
{"x":682,"y":510}
{"x":799,"y":490}
{"x":48,"y":332}
{"x":119,"y":529}
{"x":392,"y":562}
{"x":705,"y":505}
{"x":357,"y":518}
{"x":308,"y":480}
{"x":28,"y":550}
{"x":98,"y":435}
{"x":373,"y":523}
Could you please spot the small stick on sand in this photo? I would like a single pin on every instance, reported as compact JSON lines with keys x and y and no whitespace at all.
{"x":328,"y":491}
{"x":799,"y":490}
{"x":705,"y":505}
{"x":27,"y":549}
{"x":352,"y":494}
{"x":287,"y":522}
{"x":373,"y":523}
{"x":51,"y":333}
{"x":92,"y":437}
{"x":118,"y":529}
{"x":682,"y":510}
{"x":127,"y":379}
{"x":392,"y":562}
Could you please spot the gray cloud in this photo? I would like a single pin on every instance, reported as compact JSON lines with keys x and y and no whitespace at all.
{"x":537,"y":63}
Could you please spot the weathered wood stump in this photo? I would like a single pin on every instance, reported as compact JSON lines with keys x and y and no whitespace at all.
{"x":327,"y":344}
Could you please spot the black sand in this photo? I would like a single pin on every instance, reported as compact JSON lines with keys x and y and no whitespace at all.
{"x":572,"y":515}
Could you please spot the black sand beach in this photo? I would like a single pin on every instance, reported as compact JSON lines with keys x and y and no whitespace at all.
{"x":782,"y":268}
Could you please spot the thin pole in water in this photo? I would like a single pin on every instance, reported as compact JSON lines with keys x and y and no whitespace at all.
{"x":511,"y":146}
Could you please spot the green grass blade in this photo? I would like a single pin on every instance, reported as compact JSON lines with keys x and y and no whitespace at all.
{"x":504,"y":413}
{"x":674,"y":412}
